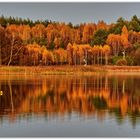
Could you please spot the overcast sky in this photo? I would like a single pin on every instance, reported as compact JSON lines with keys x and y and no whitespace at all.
{"x":71,"y":12}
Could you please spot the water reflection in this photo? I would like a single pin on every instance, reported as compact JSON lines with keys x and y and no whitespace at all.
{"x":99,"y":96}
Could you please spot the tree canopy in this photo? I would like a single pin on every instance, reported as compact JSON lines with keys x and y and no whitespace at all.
{"x":27,"y":42}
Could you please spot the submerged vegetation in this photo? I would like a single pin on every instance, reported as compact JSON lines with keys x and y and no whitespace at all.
{"x":24,"y":42}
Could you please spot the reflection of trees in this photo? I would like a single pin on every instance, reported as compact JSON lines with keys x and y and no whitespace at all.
{"x":57,"y":95}
{"x":11,"y":95}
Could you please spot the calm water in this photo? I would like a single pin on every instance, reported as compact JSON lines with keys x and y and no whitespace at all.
{"x":70,"y":106}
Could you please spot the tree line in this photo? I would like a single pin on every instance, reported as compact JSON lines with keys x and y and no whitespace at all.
{"x":32,"y":43}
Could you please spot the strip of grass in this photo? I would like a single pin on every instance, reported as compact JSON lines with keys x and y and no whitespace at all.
{"x":67,"y":70}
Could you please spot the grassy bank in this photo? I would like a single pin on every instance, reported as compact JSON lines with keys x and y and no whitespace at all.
{"x":68,"y":70}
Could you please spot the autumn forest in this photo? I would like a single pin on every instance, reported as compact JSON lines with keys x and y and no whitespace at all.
{"x":24,"y":42}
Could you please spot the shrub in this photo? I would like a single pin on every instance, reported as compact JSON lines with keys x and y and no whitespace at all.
{"x":129,"y":60}
{"x":121,"y":62}
{"x":115,"y":59}
{"x":137,"y":57}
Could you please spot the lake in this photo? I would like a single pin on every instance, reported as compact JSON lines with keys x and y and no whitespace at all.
{"x":70,"y":106}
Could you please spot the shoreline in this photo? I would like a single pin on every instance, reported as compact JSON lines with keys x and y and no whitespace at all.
{"x":69,"y":70}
